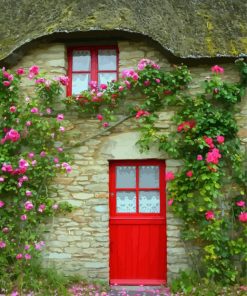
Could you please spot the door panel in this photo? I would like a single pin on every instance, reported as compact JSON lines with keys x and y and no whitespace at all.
{"x":137,"y":231}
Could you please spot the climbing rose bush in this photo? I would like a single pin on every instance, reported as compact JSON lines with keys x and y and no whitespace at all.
{"x":30,"y":141}
{"x":205,"y":138}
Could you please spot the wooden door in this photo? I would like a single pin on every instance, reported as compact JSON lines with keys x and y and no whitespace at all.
{"x":137,"y":222}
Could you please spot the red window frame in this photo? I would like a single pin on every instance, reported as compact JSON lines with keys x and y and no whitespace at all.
{"x":94,"y":71}
{"x":114,"y":189}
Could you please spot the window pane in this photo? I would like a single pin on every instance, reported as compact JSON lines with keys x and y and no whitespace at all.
{"x":79,"y":83}
{"x":149,"y":176}
{"x":106,"y":77}
{"x":81,"y":60}
{"x":149,"y":202}
{"x":126,"y":202}
{"x":107,"y":59}
{"x":126,"y":176}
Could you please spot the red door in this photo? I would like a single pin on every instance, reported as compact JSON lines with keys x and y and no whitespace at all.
{"x":137,"y":222}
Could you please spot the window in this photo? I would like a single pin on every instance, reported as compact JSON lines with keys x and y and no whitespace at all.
{"x":137,"y":187}
{"x":97,"y":63}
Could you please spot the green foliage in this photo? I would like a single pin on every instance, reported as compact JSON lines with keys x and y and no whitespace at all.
{"x":206,"y":140}
{"x":29,"y":160}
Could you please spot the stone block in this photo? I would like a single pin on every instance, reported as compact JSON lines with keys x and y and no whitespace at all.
{"x":82,"y":195}
{"x":96,"y":265}
{"x":55,"y":243}
{"x":68,"y":238}
{"x":83,"y":245}
{"x":101,"y":209}
{"x":59,"y":256}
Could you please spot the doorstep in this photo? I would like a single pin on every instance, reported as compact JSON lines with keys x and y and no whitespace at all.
{"x":117,"y":290}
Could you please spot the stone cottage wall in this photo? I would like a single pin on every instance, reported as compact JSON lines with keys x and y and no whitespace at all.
{"x":79,"y":242}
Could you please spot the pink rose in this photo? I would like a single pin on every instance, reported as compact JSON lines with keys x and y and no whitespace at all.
{"x":170,"y":201}
{"x":23,"y":163}
{"x":28,"y":256}
{"x":7,"y":168}
{"x":99,"y":117}
{"x":2,"y":203}
{"x":12,"y":109}
{"x":20,"y":71}
{"x":5,"y":230}
{"x":2,"y":244}
{"x":141,"y":113}
{"x":27,"y":247}
{"x":170,"y":176}
{"x":240,"y":203}
{"x":61,"y":129}
{"x":34,"y":162}
{"x":55,"y":206}
{"x":209,"y":215}
{"x":19,"y":256}
{"x":199,"y":157}
{"x":105,"y":124}
{"x":220,"y":139}
{"x":28,"y":205}
{"x":60,"y":149}
{"x":243,"y":217}
{"x":157,"y":80}
{"x":34,"y":110}
{"x":28,"y":193}
{"x":217,"y":69}
{"x":64,"y":80}
{"x":67,"y":167}
{"x":40,"y":80}
{"x":23,"y":217}
{"x":128,"y":84}
{"x":11,"y":77}
{"x":60,"y":117}
{"x":41,"y":208}
{"x":121,"y":88}
{"x":6,"y":83}
{"x":12,"y":135}
{"x":213,"y":156}
{"x":103,"y":86}
{"x":56,"y":160}
{"x":146,"y":82}
{"x":189,"y":174}
{"x":33,"y":71}
{"x":31,"y":154}
{"x":28,"y":123}
{"x":1,"y":179}
{"x":42,"y":153}
{"x":93,"y":85}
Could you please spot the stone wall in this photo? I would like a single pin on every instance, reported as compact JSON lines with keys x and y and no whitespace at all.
{"x":79,"y":242}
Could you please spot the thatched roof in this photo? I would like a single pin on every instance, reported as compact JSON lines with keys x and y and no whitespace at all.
{"x":186,"y":28}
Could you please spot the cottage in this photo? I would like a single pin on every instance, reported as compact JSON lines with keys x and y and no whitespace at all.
{"x":121,"y":229}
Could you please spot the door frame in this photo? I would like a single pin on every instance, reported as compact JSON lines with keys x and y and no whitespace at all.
{"x":143,"y":218}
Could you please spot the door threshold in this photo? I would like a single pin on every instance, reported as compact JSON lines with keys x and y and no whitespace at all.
{"x":135,"y":288}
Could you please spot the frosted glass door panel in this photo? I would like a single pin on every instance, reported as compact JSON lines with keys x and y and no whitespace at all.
{"x":149,"y":177}
{"x":107,"y":59}
{"x":126,"y":202}
{"x":79,"y":83}
{"x":126,"y":176}
{"x":81,"y":60}
{"x":106,"y":77}
{"x":149,"y":202}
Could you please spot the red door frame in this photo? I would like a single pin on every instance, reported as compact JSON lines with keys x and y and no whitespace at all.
{"x":138,"y":218}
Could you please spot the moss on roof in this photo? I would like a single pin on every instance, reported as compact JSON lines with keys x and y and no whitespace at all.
{"x":187,"y":28}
